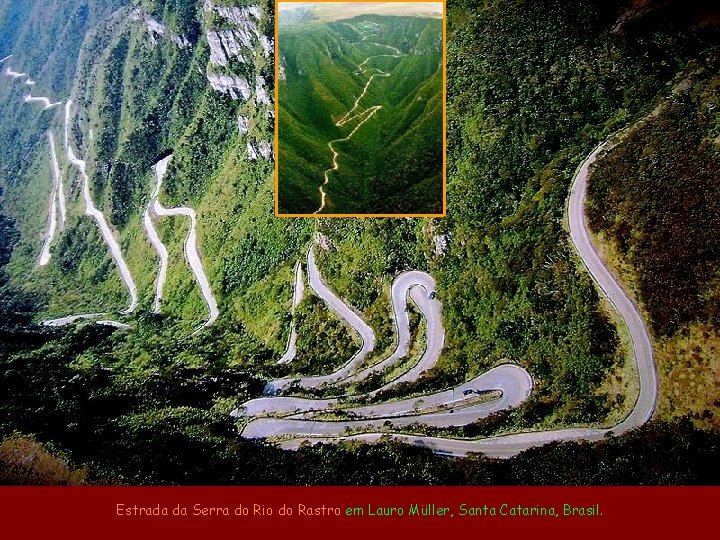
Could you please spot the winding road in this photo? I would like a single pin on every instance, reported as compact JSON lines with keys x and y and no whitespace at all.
{"x":155,"y":241}
{"x":298,"y":293}
{"x":421,"y":287}
{"x":42,"y":99}
{"x":14,"y":74}
{"x":294,"y":421}
{"x":57,"y":205}
{"x":454,"y":407}
{"x":57,"y":201}
{"x":57,"y":177}
{"x":91,"y":210}
{"x":346,"y":313}
{"x":192,"y":253}
{"x":364,"y":116}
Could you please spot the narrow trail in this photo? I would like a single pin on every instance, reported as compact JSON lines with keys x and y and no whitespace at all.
{"x":192,"y":253}
{"x":91,"y":210}
{"x":298,"y":293}
{"x":363,"y":116}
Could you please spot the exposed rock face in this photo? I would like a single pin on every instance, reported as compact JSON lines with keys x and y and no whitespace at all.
{"x":267,"y":45}
{"x":158,"y":30}
{"x":261,"y":95}
{"x":238,"y":40}
{"x":266,"y":150}
{"x":243,"y":35}
{"x":243,"y":124}
{"x":252,"y":150}
{"x":262,"y":149}
{"x":223,"y":47}
{"x":236,"y":86}
{"x":442,"y":241}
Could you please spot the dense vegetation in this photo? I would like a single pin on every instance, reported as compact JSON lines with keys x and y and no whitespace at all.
{"x":164,"y":429}
{"x":672,"y":238}
{"x":393,"y":163}
{"x":655,"y":199}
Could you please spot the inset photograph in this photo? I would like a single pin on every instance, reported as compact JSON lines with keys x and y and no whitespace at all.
{"x":360,"y":109}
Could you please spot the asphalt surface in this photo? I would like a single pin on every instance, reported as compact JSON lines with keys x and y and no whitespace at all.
{"x":298,"y":293}
{"x":346,"y":313}
{"x":455,"y":407}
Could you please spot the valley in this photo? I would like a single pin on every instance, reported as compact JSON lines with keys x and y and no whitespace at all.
{"x":379,"y":101}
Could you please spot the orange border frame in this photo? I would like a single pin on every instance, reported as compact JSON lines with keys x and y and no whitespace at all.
{"x":444,"y":98}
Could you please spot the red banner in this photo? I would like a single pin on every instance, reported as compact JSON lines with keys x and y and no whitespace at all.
{"x":340,"y":512}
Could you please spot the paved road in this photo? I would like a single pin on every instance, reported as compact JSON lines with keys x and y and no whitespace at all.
{"x":304,"y":428}
{"x":424,"y":286}
{"x":192,"y":253}
{"x":29,"y":98}
{"x":423,"y":294}
{"x":56,"y":205}
{"x":298,"y":293}
{"x":64,"y":321}
{"x":457,"y":406}
{"x":421,"y":287}
{"x":92,"y":210}
{"x":52,"y":217}
{"x":57,"y":177}
{"x":613,"y":290}
{"x":346,"y":313}
{"x":14,"y":74}
{"x":156,"y":243}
